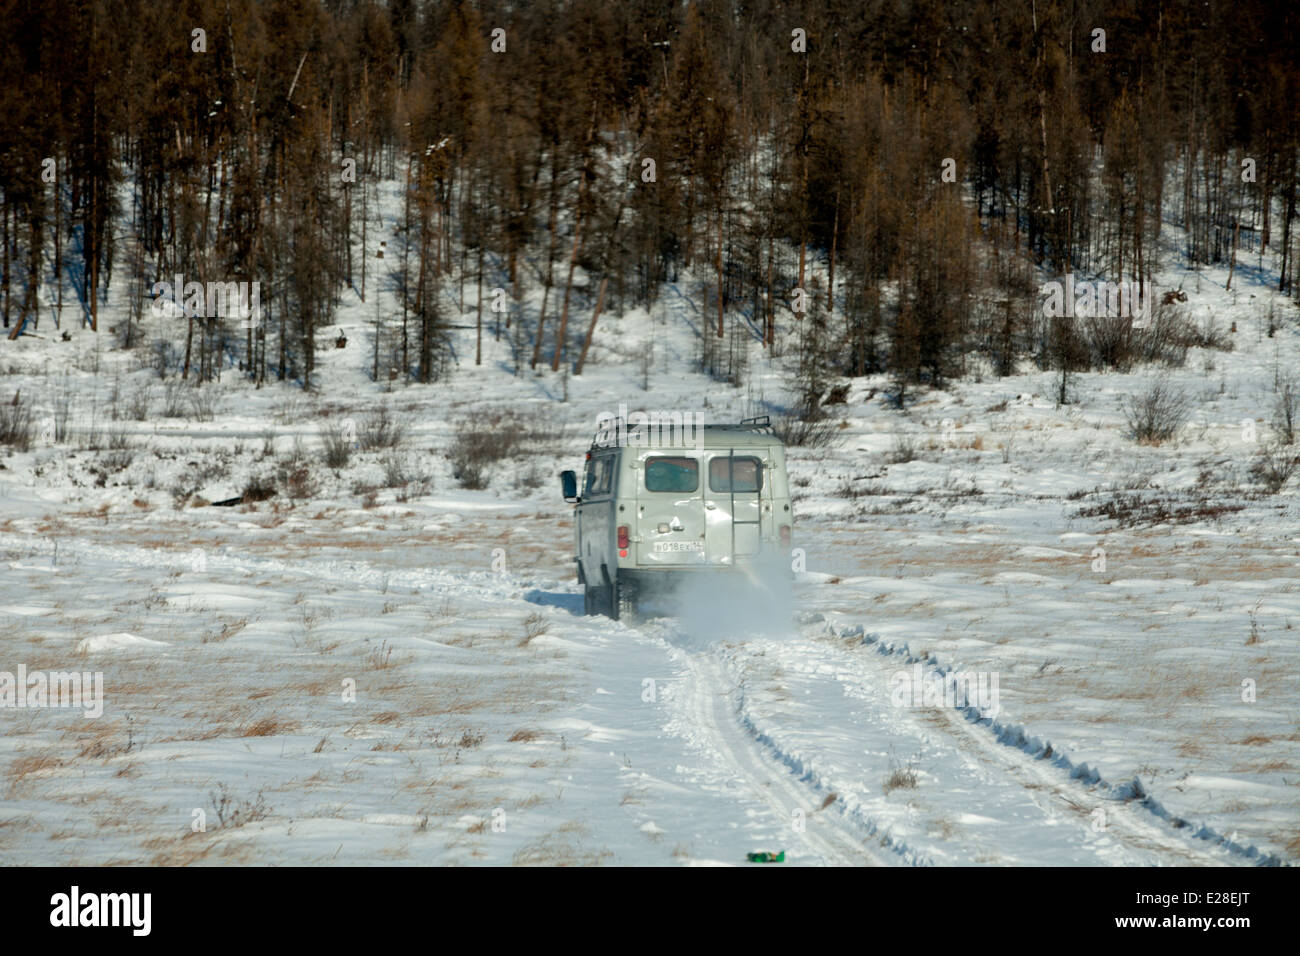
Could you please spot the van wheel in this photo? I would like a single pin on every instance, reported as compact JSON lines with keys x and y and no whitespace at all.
{"x":605,"y":599}
{"x":624,"y":601}
{"x":588,"y":601}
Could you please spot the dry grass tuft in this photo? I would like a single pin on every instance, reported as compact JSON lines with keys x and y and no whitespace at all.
{"x":535,"y":625}
{"x":33,"y":764}
{"x":268,"y":727}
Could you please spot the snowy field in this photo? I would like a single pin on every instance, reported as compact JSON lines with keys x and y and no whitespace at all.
{"x":376,"y":665}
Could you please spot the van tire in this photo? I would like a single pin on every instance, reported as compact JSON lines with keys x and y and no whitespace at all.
{"x":603,"y":600}
{"x":624,"y":601}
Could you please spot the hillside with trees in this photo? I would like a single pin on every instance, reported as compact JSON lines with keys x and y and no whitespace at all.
{"x":896,"y":177}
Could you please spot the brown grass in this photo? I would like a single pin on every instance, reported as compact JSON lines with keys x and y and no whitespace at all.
{"x":1275,"y":766}
{"x":268,"y":727}
{"x":561,"y":848}
{"x":24,"y":767}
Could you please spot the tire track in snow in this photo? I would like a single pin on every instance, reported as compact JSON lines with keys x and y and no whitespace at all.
{"x":706,"y":699}
{"x":1130,"y":822}
{"x":1132,"y":837}
{"x":1122,"y":822}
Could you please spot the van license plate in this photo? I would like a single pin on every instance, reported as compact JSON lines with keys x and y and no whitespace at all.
{"x":662,"y":546}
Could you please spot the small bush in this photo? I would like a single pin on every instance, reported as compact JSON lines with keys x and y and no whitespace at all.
{"x":1171,"y":333}
{"x":16,"y":428}
{"x":380,"y":430}
{"x":413,"y":489}
{"x":1135,"y":510}
{"x":903,"y":450}
{"x":380,"y":657}
{"x":901,"y":777}
{"x":63,"y":427}
{"x":473,"y":450}
{"x":1157,"y":414}
{"x":233,"y":811}
{"x":137,"y":406}
{"x":117,"y":460}
{"x":1110,"y":342}
{"x":493,"y":436}
{"x":535,"y":625}
{"x":258,"y":488}
{"x":289,"y":410}
{"x":1285,"y":409}
{"x":801,"y":433}
{"x":337,"y":449}
{"x":296,"y":481}
{"x":203,"y":403}
{"x":161,"y":357}
{"x":531,"y":479}
{"x":1274,"y":466}
{"x":173,"y":400}
{"x":118,"y":439}
{"x":395,"y":474}
{"x":1166,"y":338}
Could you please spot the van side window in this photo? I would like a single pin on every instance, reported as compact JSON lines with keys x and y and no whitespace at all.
{"x":679,"y":475}
{"x":597,"y":481}
{"x":742,"y":475}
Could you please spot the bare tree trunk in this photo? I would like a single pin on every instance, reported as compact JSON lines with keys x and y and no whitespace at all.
{"x":4,"y":240}
{"x":58,"y":251}
{"x":92,"y":282}
{"x":550,"y":270}
{"x":591,"y":329}
{"x":718,"y":264}
{"x":769,"y":332}
{"x":568,"y":288}
{"x":478,"y":309}
{"x":1232,"y":259}
{"x":835,"y":234}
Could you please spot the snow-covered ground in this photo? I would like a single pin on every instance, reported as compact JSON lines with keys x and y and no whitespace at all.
{"x":389,"y":668}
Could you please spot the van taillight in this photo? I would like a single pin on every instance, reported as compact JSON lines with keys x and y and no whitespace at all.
{"x":622,"y":541}
{"x":785,"y":536}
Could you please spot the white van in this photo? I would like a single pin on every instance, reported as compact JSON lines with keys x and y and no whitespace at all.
{"x":659,"y":505}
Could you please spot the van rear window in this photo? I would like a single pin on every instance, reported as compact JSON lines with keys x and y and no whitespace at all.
{"x":680,"y":475}
{"x":736,"y":474}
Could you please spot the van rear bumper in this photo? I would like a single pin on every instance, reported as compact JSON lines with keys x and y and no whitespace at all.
{"x":651,"y":582}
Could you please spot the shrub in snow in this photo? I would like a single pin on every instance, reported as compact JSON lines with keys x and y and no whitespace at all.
{"x":1157,"y":414}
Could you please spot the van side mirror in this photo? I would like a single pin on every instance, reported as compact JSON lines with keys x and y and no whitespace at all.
{"x":569,"y":485}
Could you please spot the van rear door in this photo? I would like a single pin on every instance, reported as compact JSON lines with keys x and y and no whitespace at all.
{"x":733,"y":505}
{"x":670,"y":510}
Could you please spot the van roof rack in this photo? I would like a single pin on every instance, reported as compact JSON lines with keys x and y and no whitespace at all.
{"x":759,"y":423}
{"x":616,"y":427}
